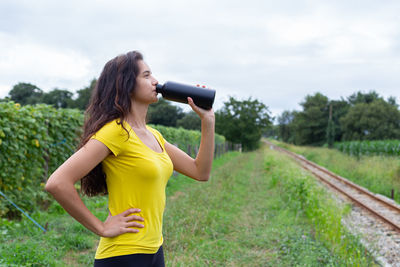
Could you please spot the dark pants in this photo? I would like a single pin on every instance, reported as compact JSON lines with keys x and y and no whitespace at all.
{"x":133,"y":260}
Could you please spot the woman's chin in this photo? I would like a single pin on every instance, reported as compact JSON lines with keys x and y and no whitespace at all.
{"x":155,"y":100}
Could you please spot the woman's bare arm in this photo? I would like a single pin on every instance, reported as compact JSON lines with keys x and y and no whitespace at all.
{"x":200,"y":167}
{"x":61,"y":186}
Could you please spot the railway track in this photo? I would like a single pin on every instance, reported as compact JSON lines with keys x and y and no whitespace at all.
{"x":385,"y":210}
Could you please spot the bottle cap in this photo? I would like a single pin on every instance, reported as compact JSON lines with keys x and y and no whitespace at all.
{"x":159,"y":88}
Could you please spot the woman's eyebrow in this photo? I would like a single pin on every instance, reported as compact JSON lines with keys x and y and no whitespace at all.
{"x":146,"y":72}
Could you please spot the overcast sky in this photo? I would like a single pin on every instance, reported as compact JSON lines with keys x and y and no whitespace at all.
{"x":274,"y":51}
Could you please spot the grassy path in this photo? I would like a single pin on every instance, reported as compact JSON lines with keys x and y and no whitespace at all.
{"x":208,"y":223}
{"x":246,"y":216}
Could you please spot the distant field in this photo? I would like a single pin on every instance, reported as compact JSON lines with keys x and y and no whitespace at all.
{"x":363,"y":148}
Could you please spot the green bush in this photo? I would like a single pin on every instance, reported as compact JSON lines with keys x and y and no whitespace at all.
{"x":34,"y":140}
{"x":183,"y":137}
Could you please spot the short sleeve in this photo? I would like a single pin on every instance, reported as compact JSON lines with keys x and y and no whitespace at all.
{"x":113,"y":136}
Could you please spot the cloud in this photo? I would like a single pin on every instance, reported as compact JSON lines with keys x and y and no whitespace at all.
{"x":276,"y":51}
{"x":25,"y":60}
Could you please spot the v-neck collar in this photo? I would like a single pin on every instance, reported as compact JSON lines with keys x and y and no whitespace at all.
{"x":148,"y":128}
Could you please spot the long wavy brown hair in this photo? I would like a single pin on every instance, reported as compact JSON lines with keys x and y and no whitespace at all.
{"x":110,"y":99}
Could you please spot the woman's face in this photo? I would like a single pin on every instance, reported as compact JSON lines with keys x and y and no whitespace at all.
{"x":145,"y":90}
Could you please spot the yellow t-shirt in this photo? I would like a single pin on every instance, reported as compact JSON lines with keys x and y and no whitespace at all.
{"x":136,"y":177}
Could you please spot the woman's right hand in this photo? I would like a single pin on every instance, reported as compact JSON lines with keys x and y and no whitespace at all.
{"x":120,"y":223}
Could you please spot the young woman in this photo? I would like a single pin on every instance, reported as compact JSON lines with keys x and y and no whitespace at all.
{"x":121,"y":156}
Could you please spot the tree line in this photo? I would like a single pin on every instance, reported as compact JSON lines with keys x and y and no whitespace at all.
{"x":361,"y":116}
{"x":30,"y":94}
{"x":240,"y":121}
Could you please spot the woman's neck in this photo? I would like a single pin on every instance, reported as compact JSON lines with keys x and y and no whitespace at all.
{"x":137,"y":116}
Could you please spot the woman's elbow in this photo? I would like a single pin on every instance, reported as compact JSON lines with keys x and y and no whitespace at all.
{"x":52,"y":185}
{"x":49,"y":187}
{"x":204,"y":178}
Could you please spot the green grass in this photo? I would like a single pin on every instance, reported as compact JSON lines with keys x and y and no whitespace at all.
{"x":379,"y":174}
{"x":300,"y":192}
{"x":66,"y":243}
{"x":258,"y":209}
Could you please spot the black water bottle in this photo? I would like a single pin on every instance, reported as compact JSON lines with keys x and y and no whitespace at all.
{"x":202,"y":97}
